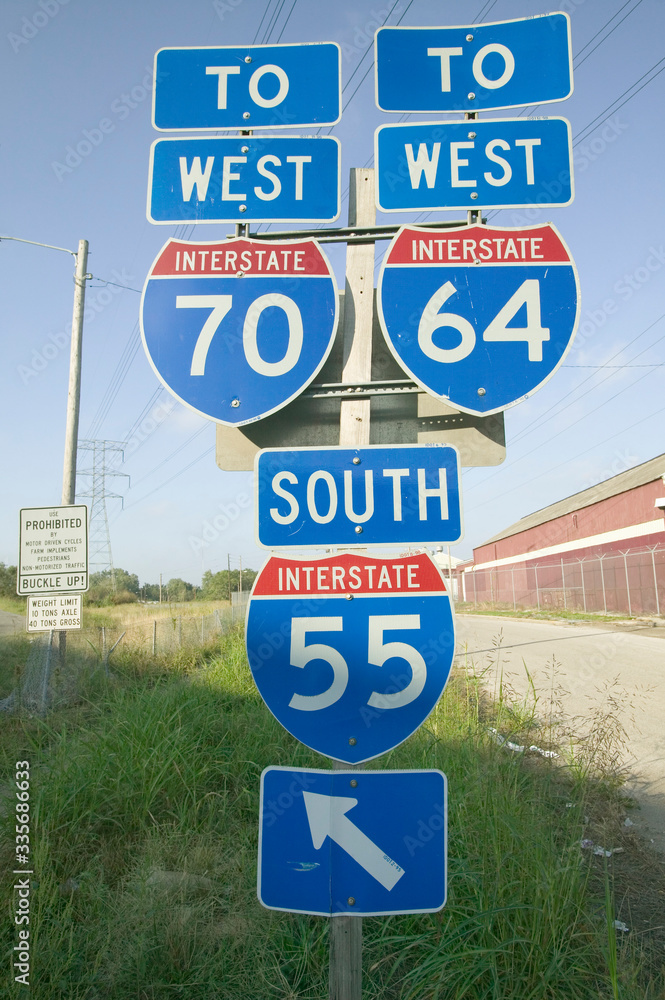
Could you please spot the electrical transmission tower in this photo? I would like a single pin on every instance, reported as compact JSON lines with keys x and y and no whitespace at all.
{"x":100,"y":557}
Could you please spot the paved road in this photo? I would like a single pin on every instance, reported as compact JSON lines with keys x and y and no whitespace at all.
{"x":575,"y":666}
{"x":10,"y":623}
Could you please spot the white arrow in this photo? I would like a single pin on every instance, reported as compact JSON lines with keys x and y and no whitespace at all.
{"x":327,"y":818}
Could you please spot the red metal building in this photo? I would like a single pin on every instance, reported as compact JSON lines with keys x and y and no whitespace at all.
{"x":602,"y":549}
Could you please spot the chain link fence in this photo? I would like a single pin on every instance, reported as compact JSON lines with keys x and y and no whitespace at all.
{"x":51,"y":673}
{"x":632,"y":582}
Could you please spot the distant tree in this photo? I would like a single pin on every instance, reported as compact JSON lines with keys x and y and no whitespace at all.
{"x":7,"y":580}
{"x":215,"y":586}
{"x":150,"y":592}
{"x":101,"y":590}
{"x":179,"y":590}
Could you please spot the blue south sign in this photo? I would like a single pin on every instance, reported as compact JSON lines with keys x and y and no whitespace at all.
{"x":236,"y":330}
{"x":479,"y":316}
{"x":377,"y":495}
{"x":474,"y":67}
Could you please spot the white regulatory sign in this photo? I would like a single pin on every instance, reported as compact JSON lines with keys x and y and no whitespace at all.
{"x":61,"y":611}
{"x":53,"y":550}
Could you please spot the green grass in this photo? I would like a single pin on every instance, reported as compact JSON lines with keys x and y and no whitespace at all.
{"x":15,"y":605}
{"x":145,"y":808}
{"x":549,"y":614}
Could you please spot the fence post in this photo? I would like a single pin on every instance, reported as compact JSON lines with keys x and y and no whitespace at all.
{"x":625,"y":566}
{"x":602,"y":580}
{"x":103,"y":644}
{"x":47,"y":671}
{"x":583,"y":588}
{"x":655,"y":580}
{"x":563,"y":586}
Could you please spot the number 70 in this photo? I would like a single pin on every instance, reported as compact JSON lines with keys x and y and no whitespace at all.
{"x":220,"y":306}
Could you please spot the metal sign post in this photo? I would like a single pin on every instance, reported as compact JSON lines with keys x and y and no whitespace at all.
{"x":346,"y":933}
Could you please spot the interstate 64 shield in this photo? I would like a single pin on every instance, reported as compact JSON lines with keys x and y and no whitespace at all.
{"x":237,"y":329}
{"x":480,"y":316}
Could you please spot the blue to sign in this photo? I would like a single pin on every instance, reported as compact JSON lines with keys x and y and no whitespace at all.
{"x":244,"y":179}
{"x":237,"y":350}
{"x":373,"y":849}
{"x":475,"y":67}
{"x":480,"y":316}
{"x":255,"y":86}
{"x":496,"y":163}
{"x":403,"y":494}
{"x":350,"y":653}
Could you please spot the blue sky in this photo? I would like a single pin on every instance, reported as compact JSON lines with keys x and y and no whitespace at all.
{"x":78,"y":74}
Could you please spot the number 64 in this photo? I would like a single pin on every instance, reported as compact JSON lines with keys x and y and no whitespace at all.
{"x":533,"y":333}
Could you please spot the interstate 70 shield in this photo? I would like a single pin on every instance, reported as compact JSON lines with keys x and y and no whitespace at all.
{"x":236,"y":330}
{"x":479,"y":316}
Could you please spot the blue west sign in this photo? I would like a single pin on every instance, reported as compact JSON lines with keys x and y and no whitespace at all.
{"x":495,"y":163}
{"x":237,"y":350}
{"x":397,"y":495}
{"x":479,"y":316}
{"x":362,"y":843}
{"x":350,"y":652}
{"x":474,"y":67}
{"x":244,"y":179}
{"x":247,"y":87}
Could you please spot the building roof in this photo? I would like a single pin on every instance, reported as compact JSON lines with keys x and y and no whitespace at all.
{"x":647,"y":472}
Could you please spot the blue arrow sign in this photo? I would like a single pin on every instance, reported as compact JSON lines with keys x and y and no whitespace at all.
{"x":480,"y":316}
{"x":474,"y":67}
{"x":237,"y":350}
{"x":247,"y":87}
{"x":497,"y":163}
{"x":350,"y":653}
{"x":361,"y":843}
{"x":244,"y":179}
{"x":403,"y":494}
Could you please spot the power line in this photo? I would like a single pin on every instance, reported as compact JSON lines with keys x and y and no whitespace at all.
{"x":288,"y":18}
{"x":608,"y":33}
{"x":256,"y":35}
{"x":130,"y":351}
{"x":536,"y":425}
{"x":569,"y":458}
{"x":173,"y":454}
{"x":203,"y":454}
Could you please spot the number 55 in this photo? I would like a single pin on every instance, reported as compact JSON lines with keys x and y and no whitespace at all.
{"x":377,"y":654}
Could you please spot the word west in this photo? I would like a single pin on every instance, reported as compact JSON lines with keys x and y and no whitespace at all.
{"x":196,"y":176}
{"x":425,"y":165}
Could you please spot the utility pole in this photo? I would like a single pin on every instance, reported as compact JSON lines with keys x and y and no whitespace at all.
{"x":74,"y":393}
